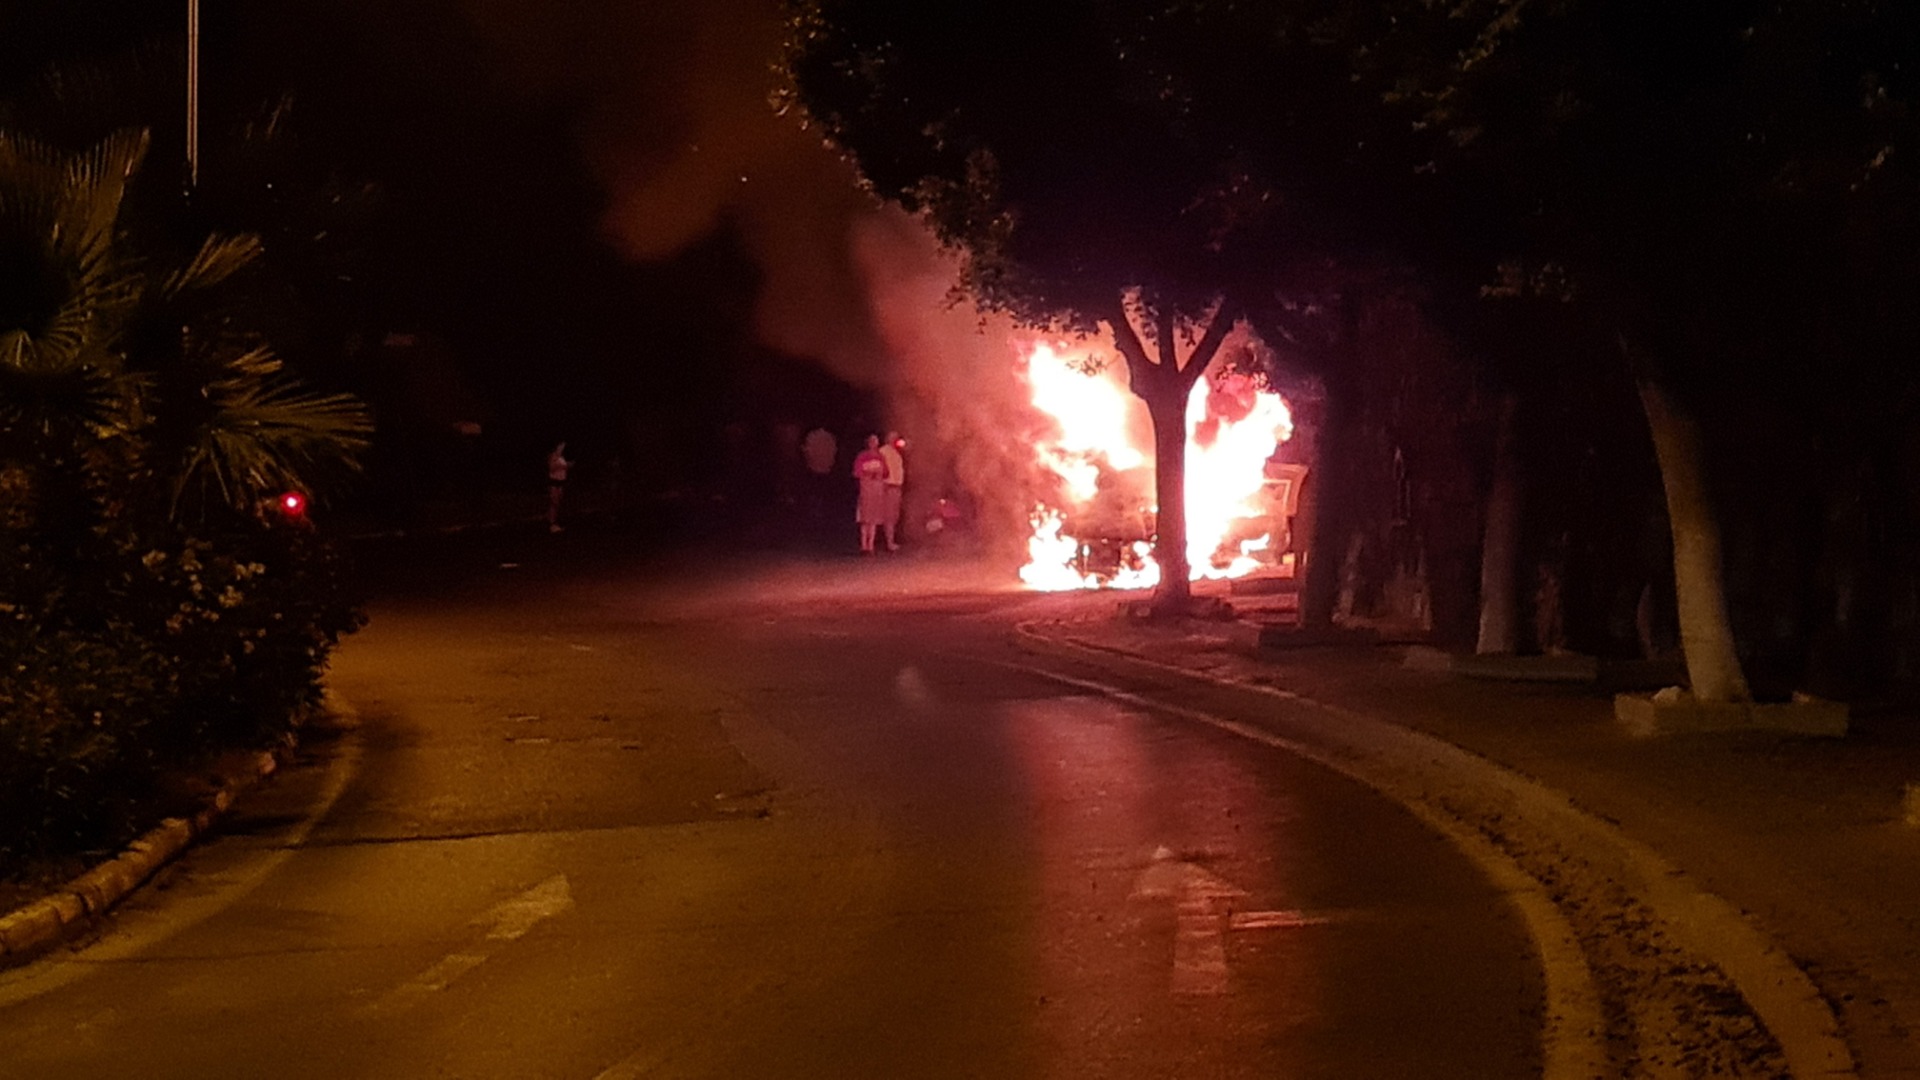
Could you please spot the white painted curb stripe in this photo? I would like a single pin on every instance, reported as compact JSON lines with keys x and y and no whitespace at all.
{"x":1573,"y":1035}
{"x":1785,"y":999}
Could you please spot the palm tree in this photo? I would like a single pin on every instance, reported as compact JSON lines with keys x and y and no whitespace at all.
{"x":68,"y":405}
{"x":122,"y":380}
{"x":141,"y":429}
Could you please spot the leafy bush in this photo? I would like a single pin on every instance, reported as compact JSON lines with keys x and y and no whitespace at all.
{"x":254,"y":621}
{"x":131,"y":660}
{"x":74,"y":714}
{"x":151,"y":614}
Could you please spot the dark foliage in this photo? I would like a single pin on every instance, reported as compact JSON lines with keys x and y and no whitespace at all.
{"x":143,"y":652}
{"x":151,"y":614}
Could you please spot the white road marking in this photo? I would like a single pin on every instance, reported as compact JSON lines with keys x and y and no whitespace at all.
{"x":513,"y":918}
{"x":1573,"y":1039}
{"x":642,"y":1063}
{"x":442,"y":974}
{"x":1203,"y":913}
{"x":506,"y":921}
{"x":1274,"y":920}
{"x":911,"y":688}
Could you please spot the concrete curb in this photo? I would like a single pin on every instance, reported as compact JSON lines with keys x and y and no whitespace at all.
{"x":1782,"y":995}
{"x":1646,"y":716}
{"x":78,"y":906}
{"x":1570,"y":668}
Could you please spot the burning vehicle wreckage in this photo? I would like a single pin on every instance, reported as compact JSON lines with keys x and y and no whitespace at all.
{"x":1093,"y":528}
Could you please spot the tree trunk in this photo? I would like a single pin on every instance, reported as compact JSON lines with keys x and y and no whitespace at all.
{"x":1170,"y":492}
{"x":1451,"y":542}
{"x":1706,"y":631}
{"x":1334,"y":494}
{"x":1163,"y":382}
{"x":1500,"y":547}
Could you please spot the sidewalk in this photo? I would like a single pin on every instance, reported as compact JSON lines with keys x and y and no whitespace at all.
{"x":1804,"y":836}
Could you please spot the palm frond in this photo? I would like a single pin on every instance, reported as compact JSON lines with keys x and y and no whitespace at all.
{"x":98,"y":177}
{"x":85,"y":328}
{"x":264,"y":434}
{"x":64,"y":408}
{"x":100,"y":363}
{"x":77,"y":196}
{"x":15,"y":349}
{"x":59,"y":213}
{"x":218,"y":259}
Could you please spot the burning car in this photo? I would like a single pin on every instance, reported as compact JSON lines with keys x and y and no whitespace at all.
{"x":1097,"y":529}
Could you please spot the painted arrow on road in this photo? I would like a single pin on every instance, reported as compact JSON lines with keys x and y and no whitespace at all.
{"x":1204,"y":906}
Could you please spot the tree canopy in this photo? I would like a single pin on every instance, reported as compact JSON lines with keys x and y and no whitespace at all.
{"x":1031,"y":140}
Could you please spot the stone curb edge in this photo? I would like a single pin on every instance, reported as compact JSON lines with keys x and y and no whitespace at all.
{"x":1781,"y":994}
{"x":77,"y":907}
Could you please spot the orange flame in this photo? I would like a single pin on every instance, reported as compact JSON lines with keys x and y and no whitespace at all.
{"x":1099,"y":457}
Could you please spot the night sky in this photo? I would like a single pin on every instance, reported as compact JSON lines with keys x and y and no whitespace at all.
{"x":593,"y":204}
{"x":675,"y":125}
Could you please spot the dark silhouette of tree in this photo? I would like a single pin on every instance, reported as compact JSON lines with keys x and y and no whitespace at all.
{"x":1718,"y":190}
{"x":1037,"y":141}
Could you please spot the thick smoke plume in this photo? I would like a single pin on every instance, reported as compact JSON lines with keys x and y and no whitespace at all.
{"x":954,"y":375}
{"x":674,"y":119}
{"x":676,"y":122}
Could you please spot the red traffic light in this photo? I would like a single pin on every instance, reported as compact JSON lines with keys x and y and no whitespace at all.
{"x":292,"y":504}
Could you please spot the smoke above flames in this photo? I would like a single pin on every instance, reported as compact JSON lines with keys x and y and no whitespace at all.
{"x":674,"y":120}
{"x":676,"y":124}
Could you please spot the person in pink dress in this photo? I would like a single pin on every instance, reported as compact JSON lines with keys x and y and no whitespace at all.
{"x":870,"y":470}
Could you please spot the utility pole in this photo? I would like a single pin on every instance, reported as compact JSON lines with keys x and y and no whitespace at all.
{"x":193,"y":95}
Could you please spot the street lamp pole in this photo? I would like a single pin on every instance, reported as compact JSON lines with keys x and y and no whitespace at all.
{"x":193,"y":94}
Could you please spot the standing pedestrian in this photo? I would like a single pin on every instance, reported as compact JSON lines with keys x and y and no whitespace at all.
{"x":870,"y":470}
{"x":819,"y":449}
{"x":557,"y":466}
{"x":891,"y":451}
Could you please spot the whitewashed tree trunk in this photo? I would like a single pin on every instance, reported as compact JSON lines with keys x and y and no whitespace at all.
{"x":1500,"y":544}
{"x":1706,"y":630}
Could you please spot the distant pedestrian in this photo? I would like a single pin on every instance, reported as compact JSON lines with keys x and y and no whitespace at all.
{"x":557,"y":466}
{"x":870,"y":470}
{"x":819,"y":450}
{"x":891,"y":451}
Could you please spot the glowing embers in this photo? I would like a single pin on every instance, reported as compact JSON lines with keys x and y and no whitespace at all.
{"x":1057,"y":562}
{"x":1094,"y":523}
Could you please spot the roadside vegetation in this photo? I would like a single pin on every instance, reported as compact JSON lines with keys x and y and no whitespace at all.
{"x":156,"y":609}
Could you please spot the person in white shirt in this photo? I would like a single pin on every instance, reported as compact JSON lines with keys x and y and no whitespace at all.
{"x":890,"y":452}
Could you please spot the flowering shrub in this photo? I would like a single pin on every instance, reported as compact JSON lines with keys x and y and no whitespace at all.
{"x":145,"y":654}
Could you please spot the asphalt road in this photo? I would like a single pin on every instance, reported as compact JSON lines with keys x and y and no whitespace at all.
{"x":602,"y":817}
